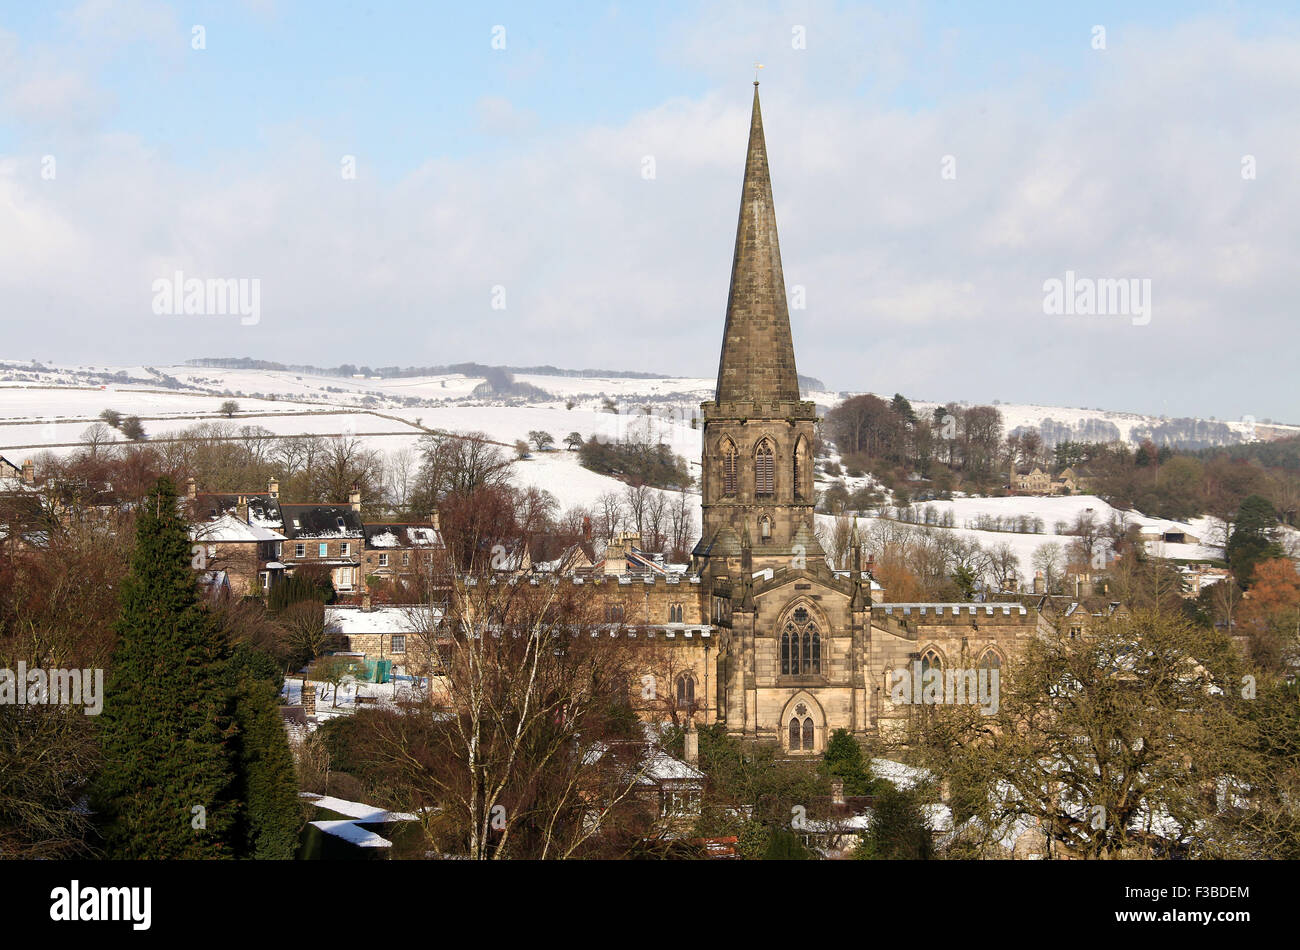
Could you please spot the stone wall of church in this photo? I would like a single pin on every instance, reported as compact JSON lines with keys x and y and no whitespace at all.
{"x":785,"y":507}
{"x":958,"y":634}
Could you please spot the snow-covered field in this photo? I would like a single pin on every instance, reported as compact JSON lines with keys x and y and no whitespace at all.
{"x":1051,"y":510}
{"x":52,"y":406}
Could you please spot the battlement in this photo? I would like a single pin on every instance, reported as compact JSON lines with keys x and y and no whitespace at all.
{"x":595,"y":580}
{"x":937,"y":613}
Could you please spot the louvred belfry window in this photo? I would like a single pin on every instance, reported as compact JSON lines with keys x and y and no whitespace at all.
{"x":764,"y":471}
{"x":729,"y":479}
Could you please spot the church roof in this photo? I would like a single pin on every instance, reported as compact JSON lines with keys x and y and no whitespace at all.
{"x":757,"y":362}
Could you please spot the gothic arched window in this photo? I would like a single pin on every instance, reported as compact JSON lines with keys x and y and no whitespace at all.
{"x":794,"y":735}
{"x":801,"y":645}
{"x":674,"y":613}
{"x":764,"y":471}
{"x":808,"y":734}
{"x":990,"y":660}
{"x":765,"y":528}
{"x":931,"y":661}
{"x":686,"y":690}
{"x":729,"y":467}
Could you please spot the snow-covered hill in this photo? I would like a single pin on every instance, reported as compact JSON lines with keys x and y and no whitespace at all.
{"x":45,"y":407}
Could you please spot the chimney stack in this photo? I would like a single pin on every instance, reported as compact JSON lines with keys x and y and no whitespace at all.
{"x":434,"y":520}
{"x":242,"y":509}
{"x":191,"y":487}
{"x":837,"y":791}
{"x":1038,"y":582}
{"x":354,"y":498}
{"x":586,"y":528}
{"x":273,"y":487}
{"x":29,"y":472}
{"x":692,"y":743}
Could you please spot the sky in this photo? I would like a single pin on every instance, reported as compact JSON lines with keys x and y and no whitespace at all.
{"x":521,"y":183}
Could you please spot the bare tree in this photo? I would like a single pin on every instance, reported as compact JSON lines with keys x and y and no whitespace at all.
{"x":346,"y":463}
{"x":1003,"y":565}
{"x":656,"y":519}
{"x":98,"y":440}
{"x":611,"y":514}
{"x":401,"y":471}
{"x":523,"y":761}
{"x":1050,"y":560}
{"x":637,"y":496}
{"x":681,"y":522}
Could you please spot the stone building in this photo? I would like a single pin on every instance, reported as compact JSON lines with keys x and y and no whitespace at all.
{"x":786,"y":649}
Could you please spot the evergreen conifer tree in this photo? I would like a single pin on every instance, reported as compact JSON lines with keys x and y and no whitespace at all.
{"x":166,"y":783}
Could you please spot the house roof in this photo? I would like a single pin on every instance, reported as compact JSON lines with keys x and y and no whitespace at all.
{"x":385,"y":535}
{"x":263,"y":509}
{"x":227,"y":529}
{"x":321,"y":522}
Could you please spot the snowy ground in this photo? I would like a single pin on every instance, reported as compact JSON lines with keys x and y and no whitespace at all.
{"x":53,"y":407}
{"x":1052,"y":510}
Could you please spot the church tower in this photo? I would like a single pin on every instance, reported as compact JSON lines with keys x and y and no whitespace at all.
{"x":756,"y":473}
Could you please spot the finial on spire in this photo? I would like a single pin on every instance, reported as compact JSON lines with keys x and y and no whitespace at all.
{"x":757,"y":67}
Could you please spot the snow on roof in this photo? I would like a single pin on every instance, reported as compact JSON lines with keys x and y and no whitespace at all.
{"x":353,"y":620}
{"x":357,"y":811}
{"x":385,"y":539}
{"x":353,"y":833}
{"x":229,"y":529}
{"x":662,"y":767}
{"x":902,"y":777}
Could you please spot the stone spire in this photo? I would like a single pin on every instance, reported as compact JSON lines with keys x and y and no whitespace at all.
{"x":757,"y":363}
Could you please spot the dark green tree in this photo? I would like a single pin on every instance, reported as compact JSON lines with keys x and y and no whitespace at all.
{"x":783,"y":845}
{"x":898,"y":829}
{"x":1252,"y":538}
{"x":965,"y":580}
{"x":300,"y":585}
{"x":267,"y":782}
{"x":165,"y":790}
{"x":843,"y":759}
{"x":904,"y":408}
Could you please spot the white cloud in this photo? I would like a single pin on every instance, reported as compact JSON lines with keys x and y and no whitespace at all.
{"x":914,"y":283}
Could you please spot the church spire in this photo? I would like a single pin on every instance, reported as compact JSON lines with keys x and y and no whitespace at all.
{"x":757,"y":363}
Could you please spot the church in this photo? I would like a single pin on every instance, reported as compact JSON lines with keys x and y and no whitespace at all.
{"x":771,"y":640}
